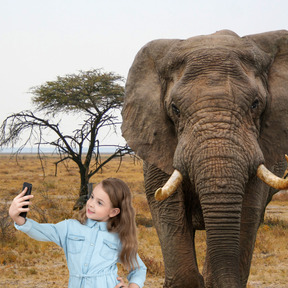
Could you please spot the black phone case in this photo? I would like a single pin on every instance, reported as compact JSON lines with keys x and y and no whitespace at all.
{"x":28,"y":192}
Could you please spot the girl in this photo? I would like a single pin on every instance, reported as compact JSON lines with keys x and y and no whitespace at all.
{"x":105,"y":232}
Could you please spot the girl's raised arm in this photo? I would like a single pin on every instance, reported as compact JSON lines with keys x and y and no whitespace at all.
{"x":16,"y":207}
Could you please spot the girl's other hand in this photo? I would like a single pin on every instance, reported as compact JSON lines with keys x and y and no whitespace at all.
{"x":123,"y":285}
{"x":16,"y":207}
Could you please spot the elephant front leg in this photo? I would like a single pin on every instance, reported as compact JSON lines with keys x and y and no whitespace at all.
{"x":176,"y":238}
{"x":251,"y":218}
{"x":252,"y":212}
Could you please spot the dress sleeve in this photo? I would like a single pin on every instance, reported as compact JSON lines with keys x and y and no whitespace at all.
{"x":45,"y":232}
{"x":138,"y":275}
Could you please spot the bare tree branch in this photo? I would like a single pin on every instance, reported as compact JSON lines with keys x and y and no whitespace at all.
{"x":94,"y":94}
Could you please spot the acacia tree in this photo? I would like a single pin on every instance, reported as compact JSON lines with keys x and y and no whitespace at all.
{"x":95,"y":96}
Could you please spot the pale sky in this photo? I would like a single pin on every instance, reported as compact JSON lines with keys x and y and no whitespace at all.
{"x":43,"y":39}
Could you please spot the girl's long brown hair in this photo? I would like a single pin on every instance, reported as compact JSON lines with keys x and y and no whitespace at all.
{"x":124,"y":223}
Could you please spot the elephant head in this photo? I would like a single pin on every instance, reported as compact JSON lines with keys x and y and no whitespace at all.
{"x":215,"y":109}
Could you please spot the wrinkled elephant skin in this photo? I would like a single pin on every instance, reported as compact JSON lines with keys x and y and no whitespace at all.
{"x":215,"y":108}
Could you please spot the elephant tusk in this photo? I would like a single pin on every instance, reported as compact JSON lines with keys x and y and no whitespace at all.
{"x":271,"y":179}
{"x":170,"y":187}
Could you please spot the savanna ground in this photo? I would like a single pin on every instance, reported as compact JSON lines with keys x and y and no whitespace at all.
{"x":28,"y":263}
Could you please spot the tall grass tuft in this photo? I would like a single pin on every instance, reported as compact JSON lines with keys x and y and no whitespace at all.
{"x":6,"y":225}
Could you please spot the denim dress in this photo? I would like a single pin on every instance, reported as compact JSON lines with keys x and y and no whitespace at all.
{"x":91,"y":251}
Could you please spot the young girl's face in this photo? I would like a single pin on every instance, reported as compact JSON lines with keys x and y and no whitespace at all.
{"x":99,"y":206}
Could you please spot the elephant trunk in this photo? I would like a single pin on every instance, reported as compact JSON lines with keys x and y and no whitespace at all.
{"x":221,"y":195}
{"x":222,"y":224}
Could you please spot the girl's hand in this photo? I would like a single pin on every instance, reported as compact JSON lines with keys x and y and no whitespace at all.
{"x":123,"y":285}
{"x":16,"y":207}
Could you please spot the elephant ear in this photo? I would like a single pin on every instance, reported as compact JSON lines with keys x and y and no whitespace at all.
{"x":146,"y":127}
{"x":274,"y":134}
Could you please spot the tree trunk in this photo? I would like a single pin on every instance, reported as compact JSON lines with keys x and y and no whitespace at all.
{"x":83,"y":192}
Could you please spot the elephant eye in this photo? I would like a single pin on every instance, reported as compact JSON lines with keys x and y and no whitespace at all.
{"x":175,"y":110}
{"x":255,"y":104}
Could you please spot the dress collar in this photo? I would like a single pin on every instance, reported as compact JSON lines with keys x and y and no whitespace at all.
{"x":92,"y":223}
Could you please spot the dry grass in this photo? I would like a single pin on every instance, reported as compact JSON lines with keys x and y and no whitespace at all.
{"x":28,"y":263}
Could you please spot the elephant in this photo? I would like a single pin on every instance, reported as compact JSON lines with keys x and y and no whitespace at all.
{"x":209,"y":117}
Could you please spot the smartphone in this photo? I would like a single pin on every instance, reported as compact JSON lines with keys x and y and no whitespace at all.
{"x":28,"y":192}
